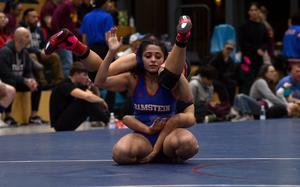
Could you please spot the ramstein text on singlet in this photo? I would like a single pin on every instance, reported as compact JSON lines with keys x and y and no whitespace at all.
{"x":151,"y":107}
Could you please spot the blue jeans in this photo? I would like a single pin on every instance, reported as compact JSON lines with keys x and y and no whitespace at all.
{"x":246,"y":105}
{"x":66,"y":58}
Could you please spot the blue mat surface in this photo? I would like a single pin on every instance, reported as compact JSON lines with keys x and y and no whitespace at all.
{"x":251,"y":153}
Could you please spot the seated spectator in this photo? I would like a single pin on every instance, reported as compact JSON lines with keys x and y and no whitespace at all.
{"x":7,"y":94}
{"x":16,"y":70}
{"x":43,"y":64}
{"x":226,"y":68}
{"x":12,"y":10}
{"x":46,"y":14}
{"x":5,"y":36}
{"x":203,"y":90}
{"x":71,"y":101}
{"x":291,"y":110}
{"x":262,"y":92}
{"x":134,"y":41}
{"x":292,"y":82}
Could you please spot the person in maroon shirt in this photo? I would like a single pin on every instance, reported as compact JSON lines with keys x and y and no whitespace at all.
{"x":65,"y":16}
{"x":5,"y":36}
{"x":46,"y":16}
{"x":12,"y":10}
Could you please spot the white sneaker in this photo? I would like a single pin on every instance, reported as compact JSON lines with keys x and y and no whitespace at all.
{"x":3,"y":124}
{"x":242,"y":118}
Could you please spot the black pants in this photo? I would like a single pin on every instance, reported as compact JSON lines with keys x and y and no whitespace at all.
{"x":35,"y":98}
{"x":77,"y":112}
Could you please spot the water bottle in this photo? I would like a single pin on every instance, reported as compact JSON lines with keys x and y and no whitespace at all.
{"x":262,"y":113}
{"x":131,"y":22}
{"x":112,"y":120}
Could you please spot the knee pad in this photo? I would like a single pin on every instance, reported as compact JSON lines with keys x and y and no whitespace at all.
{"x":182,"y":105}
{"x":167,"y":79}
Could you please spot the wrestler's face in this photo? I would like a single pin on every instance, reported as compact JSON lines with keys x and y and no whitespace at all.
{"x":153,"y":58}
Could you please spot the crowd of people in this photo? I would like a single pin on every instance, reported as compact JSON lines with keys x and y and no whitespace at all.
{"x":262,"y":79}
{"x":36,"y":54}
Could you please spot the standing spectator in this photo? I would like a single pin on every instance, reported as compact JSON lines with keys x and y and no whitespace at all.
{"x":226,"y":69}
{"x":269,"y":54}
{"x":50,"y":62}
{"x":65,"y":16}
{"x":83,"y":9}
{"x":12,"y":10}
{"x":16,"y":70}
{"x":7,"y":94}
{"x":5,"y":36}
{"x":94,"y":37}
{"x":253,"y":41}
{"x":71,"y":101}
{"x":46,"y":16}
{"x":291,"y":40}
{"x":111,"y":7}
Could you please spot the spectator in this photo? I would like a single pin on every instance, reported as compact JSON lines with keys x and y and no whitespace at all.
{"x":7,"y":94}
{"x":46,"y":16}
{"x":51,"y":63}
{"x":253,"y":41}
{"x":5,"y":36}
{"x":65,"y":16}
{"x":203,"y":90}
{"x":269,"y":54}
{"x":262,"y":92}
{"x":134,"y":41}
{"x":12,"y":10}
{"x":94,"y":37}
{"x":111,"y":7}
{"x":264,"y":87}
{"x":226,"y":69}
{"x":291,"y":84}
{"x":71,"y":101}
{"x":84,"y":8}
{"x":291,"y":39}
{"x":283,"y":111}
{"x":16,"y":70}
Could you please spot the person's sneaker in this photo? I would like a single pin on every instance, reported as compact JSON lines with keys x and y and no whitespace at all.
{"x":64,"y":39}
{"x":97,"y":124}
{"x":10,"y":121}
{"x":242,"y":118}
{"x":3,"y":124}
{"x":183,"y":29}
{"x":37,"y":120}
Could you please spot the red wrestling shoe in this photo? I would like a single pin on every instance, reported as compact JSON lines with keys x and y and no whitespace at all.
{"x":183,"y":31}
{"x":64,"y":39}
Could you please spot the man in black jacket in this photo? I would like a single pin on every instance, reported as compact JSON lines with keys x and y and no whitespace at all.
{"x":16,"y":70}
